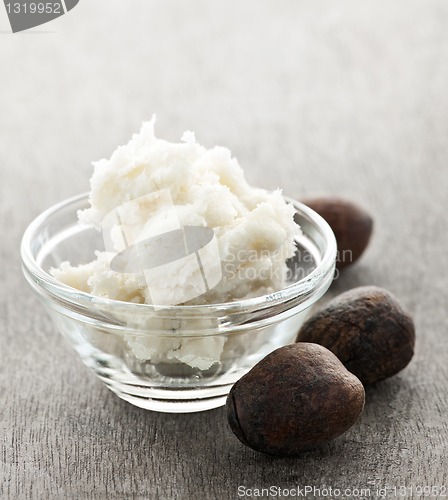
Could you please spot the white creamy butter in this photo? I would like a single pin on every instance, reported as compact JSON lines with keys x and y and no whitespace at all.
{"x":253,"y":231}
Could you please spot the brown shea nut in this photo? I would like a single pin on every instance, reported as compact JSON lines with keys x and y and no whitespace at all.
{"x":367,"y":329}
{"x":297,"y":397}
{"x":351,"y":224}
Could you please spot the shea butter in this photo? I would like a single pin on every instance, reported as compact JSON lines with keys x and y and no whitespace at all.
{"x":151,"y":190}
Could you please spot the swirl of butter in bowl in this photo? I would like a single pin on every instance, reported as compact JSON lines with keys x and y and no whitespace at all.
{"x":151,"y":191}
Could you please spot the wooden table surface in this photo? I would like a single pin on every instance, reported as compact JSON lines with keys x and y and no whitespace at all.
{"x":315,"y":97}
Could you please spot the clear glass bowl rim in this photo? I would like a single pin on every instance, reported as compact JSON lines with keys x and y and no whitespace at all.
{"x":305,"y":286}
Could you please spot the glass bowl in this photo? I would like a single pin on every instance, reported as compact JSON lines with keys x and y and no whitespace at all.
{"x":143,"y":353}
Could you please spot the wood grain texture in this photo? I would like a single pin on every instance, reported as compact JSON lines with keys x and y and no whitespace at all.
{"x":316,"y":97}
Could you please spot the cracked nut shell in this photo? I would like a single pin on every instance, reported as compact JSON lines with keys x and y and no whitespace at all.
{"x":351,"y":224}
{"x":367,"y":329}
{"x":297,"y":397}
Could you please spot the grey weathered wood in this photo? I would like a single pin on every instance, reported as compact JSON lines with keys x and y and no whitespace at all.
{"x":343,"y":97}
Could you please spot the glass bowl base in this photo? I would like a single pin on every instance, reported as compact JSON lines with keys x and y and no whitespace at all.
{"x":171,"y":400}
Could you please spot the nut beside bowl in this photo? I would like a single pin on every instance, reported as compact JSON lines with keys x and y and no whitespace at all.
{"x":144,"y":353}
